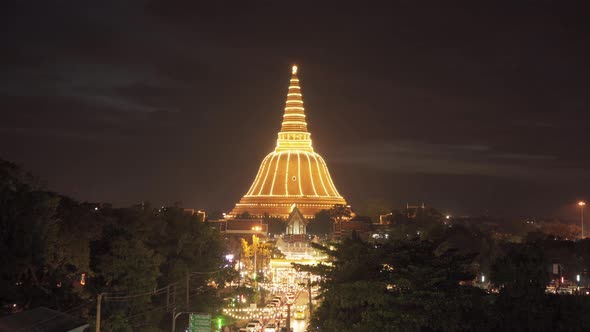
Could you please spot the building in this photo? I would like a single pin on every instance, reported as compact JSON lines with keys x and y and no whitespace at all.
{"x":296,"y":248}
{"x":296,"y":223}
{"x":293,"y":174}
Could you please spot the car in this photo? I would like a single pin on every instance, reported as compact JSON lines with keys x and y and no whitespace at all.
{"x":270,"y":328}
{"x":251,"y":327}
{"x":257,"y":322}
{"x":299,"y":314}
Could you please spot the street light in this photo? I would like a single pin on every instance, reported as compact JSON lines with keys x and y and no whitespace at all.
{"x":581,"y":204}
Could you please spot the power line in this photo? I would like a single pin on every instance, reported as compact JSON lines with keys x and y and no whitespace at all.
{"x":156,"y":309}
{"x":110,"y":298}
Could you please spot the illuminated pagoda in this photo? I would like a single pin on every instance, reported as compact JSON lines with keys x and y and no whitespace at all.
{"x":293,"y":174}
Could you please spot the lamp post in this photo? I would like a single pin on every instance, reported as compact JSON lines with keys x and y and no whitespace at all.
{"x":256,"y":229}
{"x":582,"y":204}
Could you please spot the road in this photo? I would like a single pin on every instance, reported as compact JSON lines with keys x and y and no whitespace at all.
{"x":296,"y":324}
{"x":279,"y":316}
{"x":301,"y":300}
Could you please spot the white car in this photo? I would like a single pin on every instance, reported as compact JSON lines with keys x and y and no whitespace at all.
{"x":270,"y":328}
{"x":257,"y":322}
{"x":251,"y":327}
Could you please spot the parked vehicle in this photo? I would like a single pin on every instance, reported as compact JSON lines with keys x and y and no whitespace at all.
{"x":270,"y":328}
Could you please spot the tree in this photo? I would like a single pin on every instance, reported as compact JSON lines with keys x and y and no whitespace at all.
{"x":395,"y":286}
{"x":275,"y":225}
{"x":340,"y":212}
{"x":522,"y":274}
{"x":41,"y":260}
{"x":321,"y":225}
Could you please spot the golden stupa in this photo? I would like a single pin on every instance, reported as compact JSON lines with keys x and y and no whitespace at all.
{"x":293,"y":174}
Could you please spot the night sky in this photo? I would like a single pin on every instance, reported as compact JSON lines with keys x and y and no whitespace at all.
{"x":473,"y":107}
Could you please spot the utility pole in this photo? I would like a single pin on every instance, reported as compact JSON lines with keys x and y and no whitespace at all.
{"x":98,"y":301}
{"x":309,"y":292}
{"x":239,"y":268}
{"x":582,"y":204}
{"x":174,"y":318}
{"x":187,"y":289}
{"x":255,"y":264}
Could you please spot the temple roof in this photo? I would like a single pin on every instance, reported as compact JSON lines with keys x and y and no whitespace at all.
{"x":296,"y":215}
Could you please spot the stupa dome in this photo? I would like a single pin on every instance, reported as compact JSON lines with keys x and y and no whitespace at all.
{"x":293,"y":174}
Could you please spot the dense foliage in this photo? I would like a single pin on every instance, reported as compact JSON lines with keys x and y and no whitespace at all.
{"x":423,"y":278}
{"x":60,"y":253}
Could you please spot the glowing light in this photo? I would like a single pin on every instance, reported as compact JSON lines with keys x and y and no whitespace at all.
{"x":317,"y":164}
{"x":287,"y":174}
{"x":294,"y":70}
{"x":299,"y":173}
{"x":275,"y":175}
{"x":270,"y":191}
{"x":266,"y":176}
{"x":295,"y":122}
{"x":581,"y":203}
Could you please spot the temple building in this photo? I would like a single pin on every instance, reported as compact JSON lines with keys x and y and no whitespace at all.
{"x":293,"y":174}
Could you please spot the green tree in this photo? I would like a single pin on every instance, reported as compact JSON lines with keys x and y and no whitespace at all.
{"x":340,"y":212}
{"x":395,"y":286}
{"x":321,"y":225}
{"x":522,"y":274}
{"x":41,"y":259}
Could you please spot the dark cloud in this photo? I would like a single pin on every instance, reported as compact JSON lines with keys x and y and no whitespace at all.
{"x":129,"y":100}
{"x":411,"y":157}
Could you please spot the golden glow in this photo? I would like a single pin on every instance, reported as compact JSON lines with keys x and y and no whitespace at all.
{"x":581,"y":203}
{"x":317,"y":164}
{"x":299,"y":173}
{"x":275,"y":175}
{"x":314,"y":189}
{"x":267,"y":171}
{"x":310,"y":174}
{"x":255,"y":184}
{"x":287,"y":174}
{"x":294,"y":69}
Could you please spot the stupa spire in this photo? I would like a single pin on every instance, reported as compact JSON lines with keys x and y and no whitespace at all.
{"x":293,"y":174}
{"x":294,"y":134}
